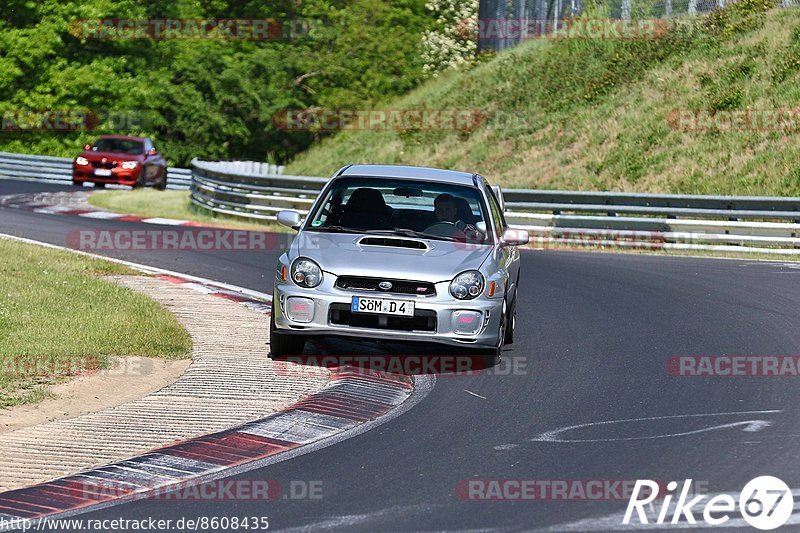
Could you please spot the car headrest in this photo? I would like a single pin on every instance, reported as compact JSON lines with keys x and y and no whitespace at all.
{"x":366,"y":200}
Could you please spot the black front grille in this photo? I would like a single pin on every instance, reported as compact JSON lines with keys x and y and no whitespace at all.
{"x":423,"y":319}
{"x":399,"y":286}
{"x":109,"y":164}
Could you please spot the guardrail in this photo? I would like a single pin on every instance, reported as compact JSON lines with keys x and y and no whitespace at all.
{"x":217,"y":187}
{"x":769,"y":225}
{"x":59,"y":170}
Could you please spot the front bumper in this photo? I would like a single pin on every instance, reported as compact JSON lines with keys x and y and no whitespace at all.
{"x":122,"y":176}
{"x":442,"y":306}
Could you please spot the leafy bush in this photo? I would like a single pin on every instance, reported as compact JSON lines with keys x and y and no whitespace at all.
{"x":212,"y":99}
{"x":452,"y":43}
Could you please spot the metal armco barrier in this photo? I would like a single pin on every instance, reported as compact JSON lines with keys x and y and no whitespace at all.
{"x":769,"y":225}
{"x":593,"y":219}
{"x":59,"y":169}
{"x":219,"y":187}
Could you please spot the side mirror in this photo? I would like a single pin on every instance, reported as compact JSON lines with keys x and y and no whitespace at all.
{"x":152,"y":151}
{"x":87,"y":147}
{"x":290,"y":219}
{"x":514,"y":237}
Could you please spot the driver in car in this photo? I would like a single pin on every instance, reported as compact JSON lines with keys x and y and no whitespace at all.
{"x":446,"y":211}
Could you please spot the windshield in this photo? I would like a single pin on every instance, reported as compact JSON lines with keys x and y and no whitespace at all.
{"x":122,"y":146}
{"x":414,"y":208}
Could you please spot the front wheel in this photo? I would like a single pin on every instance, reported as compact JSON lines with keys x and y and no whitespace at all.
{"x":281,"y":344}
{"x":98,"y":185}
{"x":501,"y":334}
{"x":492,"y":355}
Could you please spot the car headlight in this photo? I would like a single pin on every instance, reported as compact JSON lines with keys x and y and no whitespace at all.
{"x":306,"y":273}
{"x":467,"y":285}
{"x":129,"y":164}
{"x":81,"y":161}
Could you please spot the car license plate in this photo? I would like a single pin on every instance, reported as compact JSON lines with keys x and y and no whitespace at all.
{"x":102,"y":172}
{"x":382,"y":306}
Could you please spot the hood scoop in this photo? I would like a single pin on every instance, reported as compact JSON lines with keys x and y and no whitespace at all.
{"x":393,"y":242}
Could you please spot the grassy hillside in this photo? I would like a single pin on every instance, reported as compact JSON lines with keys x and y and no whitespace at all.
{"x":594,"y":115}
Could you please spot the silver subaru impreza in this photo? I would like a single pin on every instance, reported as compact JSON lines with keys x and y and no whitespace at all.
{"x":399,"y":253}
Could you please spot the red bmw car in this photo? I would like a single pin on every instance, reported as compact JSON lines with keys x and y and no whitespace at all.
{"x":132,"y":161}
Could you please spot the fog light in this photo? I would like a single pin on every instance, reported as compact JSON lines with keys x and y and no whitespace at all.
{"x":299,"y":309}
{"x":467,"y":322}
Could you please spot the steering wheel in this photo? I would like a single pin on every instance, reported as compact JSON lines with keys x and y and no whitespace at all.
{"x":445,"y":228}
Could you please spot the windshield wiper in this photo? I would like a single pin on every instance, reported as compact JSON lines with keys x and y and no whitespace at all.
{"x":336,"y":229}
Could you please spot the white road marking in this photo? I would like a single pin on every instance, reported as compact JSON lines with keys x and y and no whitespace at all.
{"x":198,"y":287}
{"x":53,"y":209}
{"x":749,"y":426}
{"x":476,"y":395}
{"x":165,"y":221}
{"x":101,"y":214}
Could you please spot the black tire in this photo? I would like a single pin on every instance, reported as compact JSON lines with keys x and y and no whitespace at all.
{"x":77,"y":183}
{"x":511,"y":323}
{"x":141,"y":181}
{"x":492,"y":355}
{"x":98,"y":185}
{"x":501,"y":341}
{"x":280,"y":344}
{"x":490,"y":358}
{"x":161,"y":185}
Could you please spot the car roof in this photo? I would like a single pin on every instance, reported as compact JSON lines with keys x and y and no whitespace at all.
{"x":124,"y":137}
{"x":401,"y":171}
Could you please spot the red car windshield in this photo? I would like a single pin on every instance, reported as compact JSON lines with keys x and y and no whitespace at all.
{"x":121,"y":146}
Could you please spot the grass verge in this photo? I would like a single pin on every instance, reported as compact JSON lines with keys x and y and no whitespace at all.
{"x":607,"y":114}
{"x":172,"y":204}
{"x":57,"y":318}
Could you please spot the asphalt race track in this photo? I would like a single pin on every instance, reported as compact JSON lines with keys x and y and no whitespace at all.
{"x":594,"y":335}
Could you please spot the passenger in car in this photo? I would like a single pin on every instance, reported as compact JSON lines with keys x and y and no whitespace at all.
{"x":366,"y":209}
